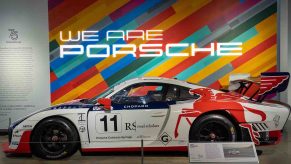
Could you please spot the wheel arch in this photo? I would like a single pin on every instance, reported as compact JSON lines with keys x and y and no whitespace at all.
{"x":223,"y":113}
{"x":58,"y":116}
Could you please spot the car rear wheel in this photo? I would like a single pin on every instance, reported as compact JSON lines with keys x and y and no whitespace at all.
{"x":212,"y":128}
{"x":54,"y":138}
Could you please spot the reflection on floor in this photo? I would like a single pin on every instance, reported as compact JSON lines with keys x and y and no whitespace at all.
{"x":276,"y":154}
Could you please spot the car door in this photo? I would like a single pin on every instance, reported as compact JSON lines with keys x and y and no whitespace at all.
{"x":180,"y":120}
{"x":139,"y":112}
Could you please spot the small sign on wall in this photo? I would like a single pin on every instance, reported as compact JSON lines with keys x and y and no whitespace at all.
{"x":242,"y":152}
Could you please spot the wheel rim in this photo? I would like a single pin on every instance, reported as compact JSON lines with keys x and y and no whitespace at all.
{"x":215,"y":131}
{"x":54,"y":138}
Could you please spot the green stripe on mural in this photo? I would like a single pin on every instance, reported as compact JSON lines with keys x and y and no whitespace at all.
{"x":249,"y":23}
{"x":53,"y":45}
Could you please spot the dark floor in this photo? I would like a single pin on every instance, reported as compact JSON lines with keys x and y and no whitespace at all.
{"x":275,"y":154}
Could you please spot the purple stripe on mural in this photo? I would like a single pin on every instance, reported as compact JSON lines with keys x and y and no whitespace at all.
{"x":53,"y":3}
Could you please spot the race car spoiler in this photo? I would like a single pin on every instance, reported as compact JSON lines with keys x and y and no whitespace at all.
{"x":268,"y":83}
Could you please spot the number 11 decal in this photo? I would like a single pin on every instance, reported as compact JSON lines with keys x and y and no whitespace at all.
{"x":108,"y":123}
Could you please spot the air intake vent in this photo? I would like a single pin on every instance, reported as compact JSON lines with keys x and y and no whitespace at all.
{"x":259,"y":127}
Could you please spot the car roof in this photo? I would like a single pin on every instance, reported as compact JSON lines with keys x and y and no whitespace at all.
{"x":156,"y":79}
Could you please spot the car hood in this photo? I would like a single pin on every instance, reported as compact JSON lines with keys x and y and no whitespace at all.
{"x":78,"y":103}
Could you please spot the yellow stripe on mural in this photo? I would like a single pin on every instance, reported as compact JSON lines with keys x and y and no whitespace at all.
{"x":87,"y":17}
{"x":73,"y":94}
{"x":183,"y":11}
{"x":265,"y":67}
{"x":263,"y":33}
{"x":248,"y":67}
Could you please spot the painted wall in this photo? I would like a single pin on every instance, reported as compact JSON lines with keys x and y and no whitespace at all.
{"x":285,"y":44}
{"x":253,"y":22}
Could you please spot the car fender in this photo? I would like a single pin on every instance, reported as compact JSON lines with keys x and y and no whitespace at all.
{"x":78,"y":117}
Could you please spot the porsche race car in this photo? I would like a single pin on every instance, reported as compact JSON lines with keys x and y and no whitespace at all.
{"x":166,"y":114}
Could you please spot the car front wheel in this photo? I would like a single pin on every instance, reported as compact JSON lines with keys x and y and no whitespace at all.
{"x":54,"y":138}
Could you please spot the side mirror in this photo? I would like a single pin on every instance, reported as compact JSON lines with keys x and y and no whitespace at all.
{"x":105,"y":102}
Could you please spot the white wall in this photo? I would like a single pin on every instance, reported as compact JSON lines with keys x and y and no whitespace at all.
{"x":24,"y":59}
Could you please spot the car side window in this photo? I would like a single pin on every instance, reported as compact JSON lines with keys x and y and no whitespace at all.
{"x":144,"y":93}
{"x":179,"y":93}
{"x":185,"y":94}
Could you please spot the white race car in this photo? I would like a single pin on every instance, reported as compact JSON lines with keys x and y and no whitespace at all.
{"x":165,"y":113}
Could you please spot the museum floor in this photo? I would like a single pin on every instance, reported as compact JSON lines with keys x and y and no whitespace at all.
{"x":279,"y":154}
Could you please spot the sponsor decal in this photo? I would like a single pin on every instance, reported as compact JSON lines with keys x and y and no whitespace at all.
{"x":276,"y":120}
{"x":130,"y":126}
{"x":81,"y":118}
{"x":135,"y":106}
{"x":94,"y":49}
{"x":82,"y":129}
{"x":27,"y":126}
{"x":96,"y":108}
{"x":142,"y":137}
{"x":114,"y":138}
{"x":165,"y":138}
{"x":16,"y":135}
{"x":133,"y":126}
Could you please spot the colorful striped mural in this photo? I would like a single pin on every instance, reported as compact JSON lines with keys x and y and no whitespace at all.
{"x":252,"y":22}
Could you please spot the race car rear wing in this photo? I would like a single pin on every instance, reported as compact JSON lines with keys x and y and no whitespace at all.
{"x":258,"y":89}
{"x":273,"y":82}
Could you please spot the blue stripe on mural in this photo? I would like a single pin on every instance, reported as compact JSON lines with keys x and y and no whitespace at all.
{"x":201,"y":64}
{"x":117,"y":66}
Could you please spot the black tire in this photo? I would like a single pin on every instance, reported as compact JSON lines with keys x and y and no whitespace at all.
{"x":212,"y":128}
{"x":54,"y":138}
